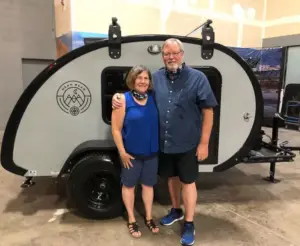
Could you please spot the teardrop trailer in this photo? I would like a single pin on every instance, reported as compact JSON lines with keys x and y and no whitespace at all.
{"x":60,"y":126}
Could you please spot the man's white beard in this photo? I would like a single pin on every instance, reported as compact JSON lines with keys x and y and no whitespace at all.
{"x":173,"y":67}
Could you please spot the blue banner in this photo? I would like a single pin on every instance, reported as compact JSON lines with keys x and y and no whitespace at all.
{"x":266,"y":64}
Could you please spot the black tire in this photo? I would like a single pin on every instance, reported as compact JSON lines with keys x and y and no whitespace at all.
{"x":94,"y":187}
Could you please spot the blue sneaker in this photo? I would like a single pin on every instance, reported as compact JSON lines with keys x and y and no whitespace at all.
{"x":172,"y":217}
{"x":188,"y":234}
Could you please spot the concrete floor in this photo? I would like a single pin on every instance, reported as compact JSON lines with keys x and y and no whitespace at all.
{"x":235,"y":207}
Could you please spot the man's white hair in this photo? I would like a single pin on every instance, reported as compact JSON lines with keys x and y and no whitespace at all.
{"x":174,"y":40}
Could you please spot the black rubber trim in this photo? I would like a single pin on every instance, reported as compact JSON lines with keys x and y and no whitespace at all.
{"x":15,"y":118}
{"x":105,"y":146}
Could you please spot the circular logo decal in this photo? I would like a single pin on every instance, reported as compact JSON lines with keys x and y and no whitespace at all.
{"x":73,"y":97}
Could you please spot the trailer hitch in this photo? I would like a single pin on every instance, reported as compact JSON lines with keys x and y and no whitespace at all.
{"x":28,"y":183}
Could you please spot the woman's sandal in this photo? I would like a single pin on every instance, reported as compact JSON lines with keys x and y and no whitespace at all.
{"x":133,"y":227}
{"x":151,"y":225}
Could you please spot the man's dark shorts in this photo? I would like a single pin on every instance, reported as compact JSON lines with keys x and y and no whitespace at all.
{"x":184,"y":165}
{"x":144,"y":171}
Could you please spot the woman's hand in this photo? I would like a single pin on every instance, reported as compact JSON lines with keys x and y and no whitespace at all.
{"x":126,"y":159}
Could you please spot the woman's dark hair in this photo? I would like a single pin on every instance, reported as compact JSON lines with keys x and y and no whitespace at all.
{"x":134,"y":72}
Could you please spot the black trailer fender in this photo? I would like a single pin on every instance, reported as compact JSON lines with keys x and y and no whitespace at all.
{"x":106,"y":147}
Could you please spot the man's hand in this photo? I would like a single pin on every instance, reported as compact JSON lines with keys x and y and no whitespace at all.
{"x":202,"y":152}
{"x":202,"y":149}
{"x":116,"y":102}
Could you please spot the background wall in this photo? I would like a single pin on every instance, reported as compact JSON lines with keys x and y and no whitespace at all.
{"x":282,"y":18}
{"x":27,"y":45}
{"x":282,"y":23}
{"x":93,"y":17}
{"x":63,"y":26}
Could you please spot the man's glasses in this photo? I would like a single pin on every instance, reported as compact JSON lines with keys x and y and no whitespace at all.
{"x":171,"y":54}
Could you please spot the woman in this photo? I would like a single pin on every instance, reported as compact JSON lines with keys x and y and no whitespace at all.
{"x":135,"y":132}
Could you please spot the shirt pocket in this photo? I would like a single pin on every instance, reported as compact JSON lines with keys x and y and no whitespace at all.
{"x":187,"y":96}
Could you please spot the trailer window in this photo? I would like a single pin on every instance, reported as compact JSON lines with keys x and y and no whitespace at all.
{"x":113,"y":80}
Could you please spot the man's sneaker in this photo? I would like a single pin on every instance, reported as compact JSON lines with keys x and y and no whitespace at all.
{"x":173,"y":216}
{"x":188,"y":234}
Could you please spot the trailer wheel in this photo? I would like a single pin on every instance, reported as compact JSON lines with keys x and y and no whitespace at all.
{"x":94,"y":187}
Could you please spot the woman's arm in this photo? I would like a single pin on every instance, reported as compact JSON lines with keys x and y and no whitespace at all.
{"x":117,"y":119}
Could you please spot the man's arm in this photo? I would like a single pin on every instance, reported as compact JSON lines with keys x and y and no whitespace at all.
{"x":207,"y":123}
{"x":116,"y":101}
{"x":206,"y":101}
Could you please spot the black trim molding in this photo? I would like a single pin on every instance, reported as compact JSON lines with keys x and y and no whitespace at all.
{"x":24,"y":100}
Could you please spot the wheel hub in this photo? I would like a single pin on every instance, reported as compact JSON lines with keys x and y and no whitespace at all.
{"x":100,"y":191}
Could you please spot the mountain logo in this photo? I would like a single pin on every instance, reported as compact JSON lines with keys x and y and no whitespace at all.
{"x":73,"y":97}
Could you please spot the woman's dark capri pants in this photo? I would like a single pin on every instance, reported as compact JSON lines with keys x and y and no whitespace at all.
{"x":183,"y":165}
{"x":144,"y":171}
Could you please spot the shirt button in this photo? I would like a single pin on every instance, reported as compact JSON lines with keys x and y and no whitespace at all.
{"x":167,"y":122}
{"x":168,"y":111}
{"x":169,"y":101}
{"x":170,"y":91}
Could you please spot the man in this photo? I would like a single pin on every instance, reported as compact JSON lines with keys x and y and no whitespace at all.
{"x":185,"y":103}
